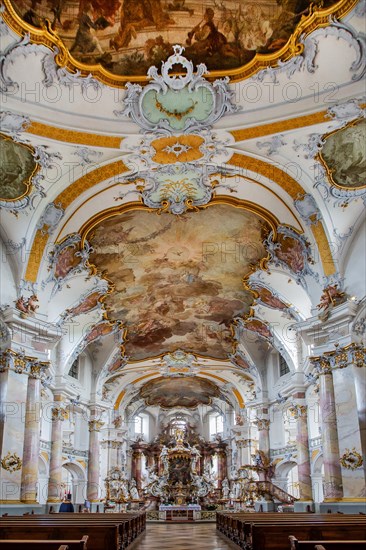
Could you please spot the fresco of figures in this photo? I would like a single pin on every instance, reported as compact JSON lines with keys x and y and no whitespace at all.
{"x":17,"y":168}
{"x":128,"y":36}
{"x":344,"y":155}
{"x":183,"y":392}
{"x":175,"y":288}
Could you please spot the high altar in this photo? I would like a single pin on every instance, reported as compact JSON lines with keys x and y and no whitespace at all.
{"x":180,"y":476}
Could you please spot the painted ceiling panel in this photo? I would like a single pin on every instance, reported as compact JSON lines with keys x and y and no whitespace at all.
{"x":177,"y":286}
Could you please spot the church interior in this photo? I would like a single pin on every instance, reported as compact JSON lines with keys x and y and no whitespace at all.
{"x":183,"y":241}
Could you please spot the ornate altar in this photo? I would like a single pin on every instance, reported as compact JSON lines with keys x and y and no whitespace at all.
{"x":116,"y":488}
{"x":182,"y":474}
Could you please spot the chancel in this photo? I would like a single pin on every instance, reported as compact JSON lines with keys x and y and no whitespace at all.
{"x":183,"y":240}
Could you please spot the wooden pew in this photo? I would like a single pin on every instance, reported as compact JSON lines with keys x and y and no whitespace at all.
{"x":237,"y":526}
{"x":17,"y":544}
{"x":250,"y":529}
{"x":109,"y":532}
{"x":267,"y":536}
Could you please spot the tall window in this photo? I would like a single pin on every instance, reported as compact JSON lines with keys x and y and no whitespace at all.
{"x":216,"y":424}
{"x":141,"y":425}
{"x":74,"y":370}
{"x":283,"y":366}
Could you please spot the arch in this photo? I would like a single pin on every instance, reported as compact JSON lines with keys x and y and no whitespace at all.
{"x":78,"y":480}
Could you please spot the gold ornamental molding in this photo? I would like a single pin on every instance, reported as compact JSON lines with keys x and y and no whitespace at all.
{"x":64,"y":199}
{"x":11,"y":462}
{"x":74,"y":136}
{"x":340,"y":358}
{"x":317,"y":18}
{"x":243,"y":134}
{"x":295,"y":190}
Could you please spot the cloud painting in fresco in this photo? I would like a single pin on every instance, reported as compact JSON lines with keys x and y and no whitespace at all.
{"x":176,"y":287}
{"x":179,"y":392}
{"x":344,"y":154}
{"x":128,"y":36}
{"x":17,"y":168}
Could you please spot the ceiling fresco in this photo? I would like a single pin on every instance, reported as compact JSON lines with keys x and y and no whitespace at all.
{"x":17,"y":169}
{"x":126,"y":37}
{"x":175,"y":287}
{"x":183,"y":392}
{"x":344,"y":156}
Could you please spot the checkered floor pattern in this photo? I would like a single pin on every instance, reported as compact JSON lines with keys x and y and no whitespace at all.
{"x":181,"y":537}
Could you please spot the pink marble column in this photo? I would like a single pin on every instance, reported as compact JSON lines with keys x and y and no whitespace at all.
{"x":137,"y":467}
{"x":4,"y":373}
{"x":54,"y":485}
{"x":300,"y":412}
{"x":332,"y":469}
{"x":29,"y":479}
{"x":221,"y":467}
{"x":93,"y":487}
{"x":263,"y":441}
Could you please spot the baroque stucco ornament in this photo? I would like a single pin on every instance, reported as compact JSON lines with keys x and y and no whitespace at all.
{"x":171,"y":103}
{"x":11,"y":462}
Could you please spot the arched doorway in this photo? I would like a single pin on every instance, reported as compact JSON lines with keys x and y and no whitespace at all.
{"x":287,"y":477}
{"x":42,"y":479}
{"x":74,"y":481}
{"x":317,"y":479}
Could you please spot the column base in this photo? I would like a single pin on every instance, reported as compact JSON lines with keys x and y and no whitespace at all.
{"x":346,"y":507}
{"x":304,"y":506}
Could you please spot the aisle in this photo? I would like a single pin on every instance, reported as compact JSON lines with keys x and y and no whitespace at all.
{"x":165,"y":536}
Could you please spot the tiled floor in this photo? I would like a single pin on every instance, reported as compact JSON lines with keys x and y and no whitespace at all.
{"x":175,"y":536}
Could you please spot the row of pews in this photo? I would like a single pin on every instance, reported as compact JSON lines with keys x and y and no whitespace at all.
{"x":274,"y":531}
{"x":75,"y":531}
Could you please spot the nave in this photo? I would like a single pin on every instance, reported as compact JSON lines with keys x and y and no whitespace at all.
{"x":181,"y":537}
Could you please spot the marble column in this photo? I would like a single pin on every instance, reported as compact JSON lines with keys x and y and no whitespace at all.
{"x":137,"y":467}
{"x":29,"y":479}
{"x":332,"y":469}
{"x":359,"y":375}
{"x":263,"y":441}
{"x":4,"y":373}
{"x":93,"y":487}
{"x":300,"y":413}
{"x":54,"y":484}
{"x":221,"y":467}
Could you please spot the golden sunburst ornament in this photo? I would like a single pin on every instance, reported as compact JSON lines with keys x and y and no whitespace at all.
{"x":351,"y":459}
{"x":11,"y":462}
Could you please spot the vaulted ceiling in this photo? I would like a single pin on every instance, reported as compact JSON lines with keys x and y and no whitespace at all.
{"x":178,"y":222}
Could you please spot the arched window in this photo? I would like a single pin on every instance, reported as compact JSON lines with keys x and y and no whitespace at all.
{"x":216,"y":424}
{"x":141,"y":425}
{"x":74,"y":369}
{"x":284,"y":369}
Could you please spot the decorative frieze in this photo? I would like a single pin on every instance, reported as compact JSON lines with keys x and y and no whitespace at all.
{"x":111,"y":444}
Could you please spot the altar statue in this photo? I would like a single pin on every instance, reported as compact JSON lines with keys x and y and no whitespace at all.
{"x":225,"y":488}
{"x":196,"y":455}
{"x":133,"y":490}
{"x":164,"y":459}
